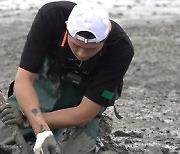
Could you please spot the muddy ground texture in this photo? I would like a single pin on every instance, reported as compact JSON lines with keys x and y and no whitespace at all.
{"x":150,"y":102}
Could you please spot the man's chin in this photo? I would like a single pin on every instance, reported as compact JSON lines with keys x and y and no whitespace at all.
{"x":82,"y":59}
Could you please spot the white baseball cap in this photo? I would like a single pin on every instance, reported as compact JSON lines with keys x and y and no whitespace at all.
{"x":90,"y":17}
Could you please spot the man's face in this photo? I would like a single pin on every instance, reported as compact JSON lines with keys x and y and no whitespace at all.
{"x":84,"y":51}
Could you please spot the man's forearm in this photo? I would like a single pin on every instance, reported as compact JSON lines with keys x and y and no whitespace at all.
{"x":28,"y":102}
{"x":75,"y":116}
{"x":64,"y":118}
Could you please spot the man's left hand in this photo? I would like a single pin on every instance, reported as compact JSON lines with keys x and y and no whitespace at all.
{"x":11,"y":115}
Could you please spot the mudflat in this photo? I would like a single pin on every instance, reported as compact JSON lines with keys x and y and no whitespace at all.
{"x":150,"y":102}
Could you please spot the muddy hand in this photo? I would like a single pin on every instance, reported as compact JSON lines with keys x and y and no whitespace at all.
{"x":11,"y":115}
{"x":46,"y":144}
{"x":19,"y":139}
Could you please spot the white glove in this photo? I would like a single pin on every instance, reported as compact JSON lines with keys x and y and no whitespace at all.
{"x":46,"y":144}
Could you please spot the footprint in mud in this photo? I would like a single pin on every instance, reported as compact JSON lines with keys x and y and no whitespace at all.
{"x":131,"y":134}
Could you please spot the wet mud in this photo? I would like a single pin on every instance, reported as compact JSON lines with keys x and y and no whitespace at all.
{"x":150,"y":102}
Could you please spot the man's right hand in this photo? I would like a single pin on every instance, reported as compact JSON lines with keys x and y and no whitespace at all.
{"x":11,"y":115}
{"x":46,"y":144}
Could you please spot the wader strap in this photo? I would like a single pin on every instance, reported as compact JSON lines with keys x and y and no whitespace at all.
{"x":11,"y":89}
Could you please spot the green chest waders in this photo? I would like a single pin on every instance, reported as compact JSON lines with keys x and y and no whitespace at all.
{"x":54,"y":93}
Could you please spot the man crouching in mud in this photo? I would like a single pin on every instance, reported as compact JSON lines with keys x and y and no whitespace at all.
{"x":71,"y":70}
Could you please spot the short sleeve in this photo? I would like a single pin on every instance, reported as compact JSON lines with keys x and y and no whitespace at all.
{"x":114,"y":66}
{"x":41,"y":38}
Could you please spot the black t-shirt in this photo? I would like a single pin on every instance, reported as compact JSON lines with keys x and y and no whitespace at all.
{"x":46,"y":34}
